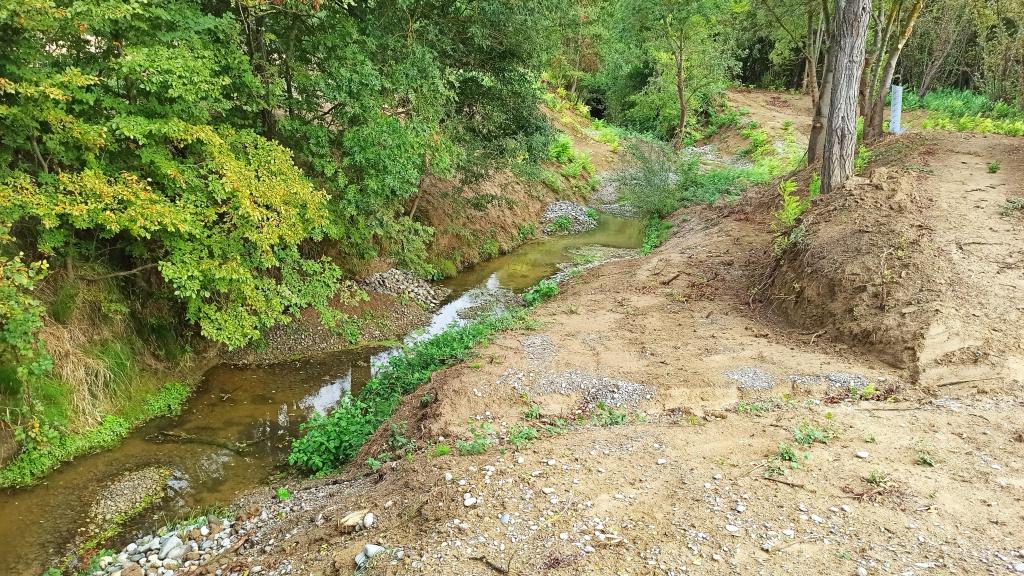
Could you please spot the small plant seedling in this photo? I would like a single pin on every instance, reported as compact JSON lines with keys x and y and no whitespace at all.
{"x":1014,"y":205}
{"x":787,"y":454}
{"x":878,"y":478}
{"x":608,"y":416}
{"x":532,"y":413}
{"x":806,"y":434}
{"x":440,"y":449}
{"x":283,"y":494}
{"x":925,"y":459}
{"x":520,"y":436}
{"x":480,"y":442}
{"x":993,"y":167}
{"x":374,"y":464}
{"x":753,"y":407}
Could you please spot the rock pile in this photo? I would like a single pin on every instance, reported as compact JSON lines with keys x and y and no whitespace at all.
{"x":176,"y":551}
{"x":401,"y":283}
{"x":559,"y":213}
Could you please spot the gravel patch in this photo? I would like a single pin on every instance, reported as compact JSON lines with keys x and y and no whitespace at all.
{"x":839,"y":380}
{"x":402,"y":283}
{"x":750,"y":378}
{"x":129,"y":493}
{"x":576,"y":214}
{"x":592,"y":388}
{"x":538,"y":349}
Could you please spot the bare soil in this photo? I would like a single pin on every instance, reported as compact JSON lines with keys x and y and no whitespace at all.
{"x":906,"y":285}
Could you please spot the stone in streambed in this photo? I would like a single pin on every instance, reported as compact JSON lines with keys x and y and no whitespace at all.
{"x":170,"y":544}
{"x":368,"y":551}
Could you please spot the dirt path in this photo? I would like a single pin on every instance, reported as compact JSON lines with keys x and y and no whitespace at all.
{"x":977,"y":334}
{"x":731,"y":442}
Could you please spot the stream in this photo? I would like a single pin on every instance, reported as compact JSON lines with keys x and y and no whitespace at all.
{"x":261,"y":406}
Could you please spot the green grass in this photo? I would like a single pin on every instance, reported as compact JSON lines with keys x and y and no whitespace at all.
{"x":40,"y":459}
{"x":330,"y":441}
{"x":993,"y":167}
{"x":965,"y":111}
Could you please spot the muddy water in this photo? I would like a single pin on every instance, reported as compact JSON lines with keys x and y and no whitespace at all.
{"x":260,"y":407}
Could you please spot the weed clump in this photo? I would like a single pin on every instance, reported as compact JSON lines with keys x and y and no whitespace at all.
{"x":332,"y":440}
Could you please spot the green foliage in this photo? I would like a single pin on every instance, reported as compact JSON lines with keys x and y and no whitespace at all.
{"x":791,"y":209}
{"x":806,"y":434}
{"x":332,"y":440}
{"x":543,"y":290}
{"x":481,"y":440}
{"x":43,"y":448}
{"x":993,"y":167}
{"x":637,"y":43}
{"x":965,"y":111}
{"x":787,"y":454}
{"x":655,"y":233}
{"x":560,"y":225}
{"x":526,"y":231}
{"x":283,"y":494}
{"x":759,"y":407}
{"x":860,"y":161}
{"x":605,"y":415}
{"x":440,"y":449}
{"x":574,"y":163}
{"x":1014,"y":205}
{"x":658,"y":181}
{"x":532,"y":413}
{"x":878,"y":478}
{"x":213,"y":152}
{"x":924,"y":458}
{"x":520,"y":436}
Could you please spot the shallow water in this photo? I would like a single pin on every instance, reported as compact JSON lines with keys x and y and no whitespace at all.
{"x":260,"y":406}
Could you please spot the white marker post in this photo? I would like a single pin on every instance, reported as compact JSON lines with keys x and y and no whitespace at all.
{"x":895,"y":109}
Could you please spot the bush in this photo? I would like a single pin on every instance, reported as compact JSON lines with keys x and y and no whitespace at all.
{"x":331,"y":440}
{"x":540,"y":292}
{"x":659,"y":181}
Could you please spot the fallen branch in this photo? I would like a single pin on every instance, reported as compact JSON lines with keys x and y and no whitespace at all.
{"x":168,"y":435}
{"x":490,"y":564}
{"x":784,"y":481}
{"x":955,"y":382}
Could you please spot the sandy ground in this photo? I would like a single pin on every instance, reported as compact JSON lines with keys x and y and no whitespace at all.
{"x":716,"y":468}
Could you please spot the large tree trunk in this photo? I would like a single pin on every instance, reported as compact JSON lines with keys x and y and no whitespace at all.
{"x":851,"y":25}
{"x":873,"y":120}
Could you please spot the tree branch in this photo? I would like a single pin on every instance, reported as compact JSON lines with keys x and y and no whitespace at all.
{"x":123,"y":273}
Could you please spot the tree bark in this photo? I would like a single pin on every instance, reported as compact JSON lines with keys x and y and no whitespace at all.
{"x":851,"y":25}
{"x":816,"y":141}
{"x":873,"y":120}
{"x":680,"y":91}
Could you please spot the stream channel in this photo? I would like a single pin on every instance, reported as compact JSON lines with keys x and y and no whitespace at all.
{"x":259,"y":405}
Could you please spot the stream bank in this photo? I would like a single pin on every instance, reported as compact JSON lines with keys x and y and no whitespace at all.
{"x":256,"y":409}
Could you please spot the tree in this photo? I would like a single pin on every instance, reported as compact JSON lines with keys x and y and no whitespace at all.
{"x":823,"y":108}
{"x":893,"y":25}
{"x":681,"y":52}
{"x":851,"y":24}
